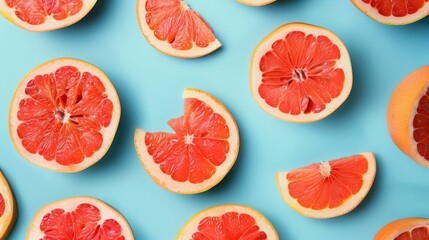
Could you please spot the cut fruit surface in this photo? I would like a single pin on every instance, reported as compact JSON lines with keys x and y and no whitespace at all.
{"x":8,"y":210}
{"x":232,"y":222}
{"x":173,"y":28}
{"x":64,"y":115}
{"x":79,"y":218}
{"x":394,"y":12}
{"x":405,"y":229}
{"x":408,"y":115}
{"x":328,"y":189}
{"x":199,"y":154}
{"x":300,"y":73}
{"x":256,"y":2}
{"x":41,"y":16}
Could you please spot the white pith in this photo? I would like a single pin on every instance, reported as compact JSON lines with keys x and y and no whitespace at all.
{"x":7,"y":219}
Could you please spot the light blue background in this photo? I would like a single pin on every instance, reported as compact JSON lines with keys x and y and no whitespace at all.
{"x":150,"y":86}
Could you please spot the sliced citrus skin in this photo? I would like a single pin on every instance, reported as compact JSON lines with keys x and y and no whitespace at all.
{"x":256,"y":3}
{"x":232,"y":222}
{"x":407,"y":113}
{"x":64,"y":115}
{"x":171,"y":27}
{"x":41,"y":16}
{"x":199,"y":154}
{"x":8,"y":209}
{"x":300,"y":73}
{"x":394,"y":12}
{"x":79,"y":218}
{"x":329,"y":189}
{"x":405,"y":229}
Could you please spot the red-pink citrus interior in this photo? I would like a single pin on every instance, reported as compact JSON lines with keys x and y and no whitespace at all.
{"x":299,"y":74}
{"x":62,"y":115}
{"x":421,"y":126}
{"x":199,"y":145}
{"x":396,"y":8}
{"x":2,"y":205}
{"x":420,"y":233}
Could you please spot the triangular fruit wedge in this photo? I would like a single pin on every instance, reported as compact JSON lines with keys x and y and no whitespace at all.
{"x":405,"y":229}
{"x":256,"y":3}
{"x":175,"y":29}
{"x":8,"y":208}
{"x":199,"y":154}
{"x":328,"y":189}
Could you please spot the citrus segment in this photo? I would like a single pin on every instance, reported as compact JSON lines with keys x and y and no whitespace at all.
{"x":300,"y":73}
{"x":79,"y":218}
{"x":405,"y":229}
{"x":174,"y":29}
{"x":36,"y":15}
{"x":8,"y":212}
{"x":64,"y":115}
{"x":394,"y":12}
{"x":231,"y":222}
{"x":200,"y":152}
{"x":256,"y":3}
{"x":328,"y":189}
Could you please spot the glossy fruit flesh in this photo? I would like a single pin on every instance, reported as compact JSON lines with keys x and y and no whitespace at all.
{"x":420,"y":233}
{"x":396,"y":8}
{"x":2,"y":205}
{"x":421,"y":126}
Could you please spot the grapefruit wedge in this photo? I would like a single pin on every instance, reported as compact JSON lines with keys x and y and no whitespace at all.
{"x":64,"y":115}
{"x":256,"y":3}
{"x":328,"y":189}
{"x":405,"y":229}
{"x":199,"y":154}
{"x":173,"y":28}
{"x":232,"y":222}
{"x":8,"y":210}
{"x":408,"y":115}
{"x":79,"y":218}
{"x":300,"y":73}
{"x":394,"y":12}
{"x":42,"y":16}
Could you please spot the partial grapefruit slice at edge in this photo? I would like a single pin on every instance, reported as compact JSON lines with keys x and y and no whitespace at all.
{"x":405,"y":228}
{"x":256,"y":3}
{"x":8,"y":209}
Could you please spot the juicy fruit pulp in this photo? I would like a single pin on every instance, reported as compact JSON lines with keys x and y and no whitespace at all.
{"x":405,"y":229}
{"x":419,"y":233}
{"x":421,"y":126}
{"x":2,"y":205}
{"x":396,"y":8}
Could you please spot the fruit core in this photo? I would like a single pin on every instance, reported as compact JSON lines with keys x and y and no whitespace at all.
{"x":325,"y":169}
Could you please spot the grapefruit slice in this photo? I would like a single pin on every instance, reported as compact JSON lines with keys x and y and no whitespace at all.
{"x":328,"y":189}
{"x":7,"y":208}
{"x":405,"y":229}
{"x":79,"y":218}
{"x":256,"y":3}
{"x":232,"y":222}
{"x":173,"y":28}
{"x":199,"y":154}
{"x":300,"y":73}
{"x":64,"y":115}
{"x":394,"y":12}
{"x":408,"y":115}
{"x":42,"y":16}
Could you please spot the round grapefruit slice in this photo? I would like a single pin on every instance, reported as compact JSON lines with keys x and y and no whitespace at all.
{"x":300,"y":73}
{"x":394,"y":12}
{"x":7,"y":208}
{"x":64,"y":115}
{"x":256,"y":3}
{"x":42,"y":16}
{"x":405,"y":229}
{"x":408,"y":115}
{"x":232,"y":222}
{"x":173,"y":28}
{"x":199,"y":154}
{"x":79,"y":218}
{"x":328,"y":189}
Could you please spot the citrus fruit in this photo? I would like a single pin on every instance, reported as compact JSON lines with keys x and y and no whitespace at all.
{"x":64,"y":115}
{"x":408,"y":115}
{"x":173,"y":28}
{"x":405,"y":229}
{"x":199,"y":154}
{"x":256,"y":2}
{"x":394,"y":12}
{"x":300,"y":73}
{"x":8,"y":210}
{"x":232,"y":222}
{"x":328,"y":189}
{"x":79,"y":218}
{"x":41,"y":16}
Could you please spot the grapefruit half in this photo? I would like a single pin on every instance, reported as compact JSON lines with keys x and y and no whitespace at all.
{"x":256,"y":3}
{"x":300,"y":73}
{"x":405,"y":229}
{"x":42,"y":16}
{"x":394,"y":12}
{"x":408,"y":115}
{"x":199,"y":154}
{"x":79,"y":218}
{"x":64,"y":115}
{"x":8,"y":208}
{"x":232,"y":222}
{"x":173,"y":28}
{"x":328,"y":189}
